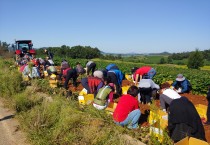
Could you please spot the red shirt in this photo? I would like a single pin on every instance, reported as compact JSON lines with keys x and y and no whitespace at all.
{"x":126,"y":104}
{"x":142,"y":70}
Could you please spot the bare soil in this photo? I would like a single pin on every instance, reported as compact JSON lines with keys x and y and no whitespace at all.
{"x":10,"y":128}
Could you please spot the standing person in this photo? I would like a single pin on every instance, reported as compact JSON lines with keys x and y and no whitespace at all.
{"x":143,"y":71}
{"x":115,"y":76}
{"x":167,"y":95}
{"x":49,"y":54}
{"x":208,"y":109}
{"x":182,"y":85}
{"x":127,"y":112}
{"x":184,"y":120}
{"x":92,"y":84}
{"x":147,"y":88}
{"x":90,"y":65}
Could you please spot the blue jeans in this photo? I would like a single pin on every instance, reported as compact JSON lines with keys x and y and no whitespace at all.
{"x":132,"y":120}
{"x":151,"y":73}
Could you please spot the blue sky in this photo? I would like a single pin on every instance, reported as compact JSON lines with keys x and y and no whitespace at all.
{"x":118,"y":26}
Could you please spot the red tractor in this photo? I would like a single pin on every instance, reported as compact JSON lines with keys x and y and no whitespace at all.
{"x":22,"y":48}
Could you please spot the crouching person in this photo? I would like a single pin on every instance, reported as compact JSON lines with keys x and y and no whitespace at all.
{"x":104,"y":97}
{"x":147,"y":89}
{"x":127,"y":112}
{"x":92,"y":84}
{"x":184,"y":120}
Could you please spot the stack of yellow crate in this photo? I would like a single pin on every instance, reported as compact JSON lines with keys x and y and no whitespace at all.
{"x":159,"y":121}
{"x":53,"y":81}
{"x":84,"y":98}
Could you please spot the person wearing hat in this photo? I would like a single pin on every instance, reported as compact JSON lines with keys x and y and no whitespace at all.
{"x":181,"y":85}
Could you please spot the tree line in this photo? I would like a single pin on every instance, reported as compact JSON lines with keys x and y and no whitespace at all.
{"x":195,"y":58}
{"x":185,"y":55}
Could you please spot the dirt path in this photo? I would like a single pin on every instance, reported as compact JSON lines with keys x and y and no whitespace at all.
{"x":10,"y":133}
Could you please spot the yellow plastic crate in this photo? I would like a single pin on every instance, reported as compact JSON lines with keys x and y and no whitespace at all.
{"x":158,"y":115}
{"x":201,"y":109}
{"x":86,"y":99}
{"x":157,"y":129}
{"x":191,"y":141}
{"x":45,"y":74}
{"x":53,"y":83}
{"x":25,"y":78}
{"x":111,"y":107}
{"x":128,"y":77}
{"x":125,"y":89}
{"x":83,"y":92}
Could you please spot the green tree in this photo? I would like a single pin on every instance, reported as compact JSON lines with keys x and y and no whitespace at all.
{"x":195,"y":60}
{"x":170,"y":60}
{"x":162,"y":60}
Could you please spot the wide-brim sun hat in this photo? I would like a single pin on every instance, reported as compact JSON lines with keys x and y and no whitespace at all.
{"x":180,"y":77}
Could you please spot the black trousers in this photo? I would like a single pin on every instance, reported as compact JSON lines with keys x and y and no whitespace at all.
{"x":71,"y":74}
{"x":146,"y":94}
{"x":208,"y":112}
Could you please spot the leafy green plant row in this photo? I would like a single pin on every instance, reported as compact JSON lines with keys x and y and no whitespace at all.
{"x":200,"y":79}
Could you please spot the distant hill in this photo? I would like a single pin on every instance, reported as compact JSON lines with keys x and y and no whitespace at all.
{"x":135,"y":54}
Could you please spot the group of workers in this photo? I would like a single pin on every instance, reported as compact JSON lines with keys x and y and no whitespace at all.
{"x":183,"y":119}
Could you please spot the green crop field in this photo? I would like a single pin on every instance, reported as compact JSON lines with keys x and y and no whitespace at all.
{"x":200,"y":79}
